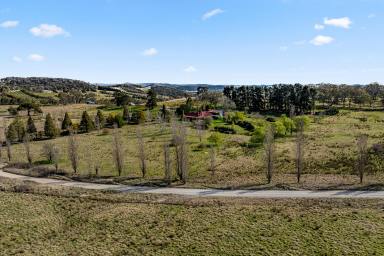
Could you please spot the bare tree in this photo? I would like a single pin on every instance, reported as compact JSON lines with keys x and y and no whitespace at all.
{"x":142,"y":157}
{"x":167,"y":165}
{"x":117,"y":150}
{"x":9,"y":150}
{"x":362,"y":159}
{"x":55,"y":157}
{"x":212,"y":158}
{"x":73,"y":149}
{"x":299,"y":149}
{"x":97,"y":124}
{"x":179,"y":138}
{"x":26,"y":142}
{"x":269,"y":152}
{"x":47,"y":151}
{"x":200,"y":129}
{"x":1,"y":151}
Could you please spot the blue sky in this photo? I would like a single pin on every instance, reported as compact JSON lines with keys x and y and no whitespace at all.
{"x":194,"y":41}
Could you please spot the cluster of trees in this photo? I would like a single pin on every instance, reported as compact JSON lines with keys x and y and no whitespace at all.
{"x":281,"y":98}
{"x":345,"y":95}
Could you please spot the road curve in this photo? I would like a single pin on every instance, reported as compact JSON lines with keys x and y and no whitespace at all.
{"x":204,"y":192}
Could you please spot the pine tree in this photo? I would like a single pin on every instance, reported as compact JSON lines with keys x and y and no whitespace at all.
{"x":151,"y":99}
{"x":67,"y":122}
{"x":12,"y":133}
{"x":50,"y":129}
{"x":86,"y":124}
{"x":31,"y":128}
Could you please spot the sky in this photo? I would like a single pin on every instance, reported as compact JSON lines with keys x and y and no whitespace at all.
{"x":194,"y":41}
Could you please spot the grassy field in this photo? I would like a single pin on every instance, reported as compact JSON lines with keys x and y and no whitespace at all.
{"x":77,"y":222}
{"x":329,"y":159}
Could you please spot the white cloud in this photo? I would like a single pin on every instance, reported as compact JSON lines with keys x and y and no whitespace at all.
{"x":36,"y":57}
{"x":190,"y":69}
{"x":47,"y":30}
{"x":150,"y":52}
{"x":9,"y":24}
{"x":322,"y":40}
{"x":17,"y":59}
{"x":283,"y":48}
{"x":344,"y":22}
{"x":212,"y":13}
{"x":319,"y":27}
{"x":371,"y":16}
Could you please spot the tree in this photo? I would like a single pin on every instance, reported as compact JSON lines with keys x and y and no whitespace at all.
{"x":121,"y":98}
{"x":73,"y":151}
{"x":299,"y":149}
{"x":126,"y":113}
{"x":99,"y":120}
{"x":15,"y":131}
{"x":31,"y":128}
{"x":67,"y":122}
{"x":27,"y":147}
{"x":179,"y":137}
{"x":269,"y":152}
{"x":48,"y":151}
{"x":117,"y":150}
{"x":151,"y":99}
{"x":29,"y":106}
{"x":212,"y":157}
{"x":86,"y":123}
{"x":167,"y":164}
{"x":142,"y":157}
{"x":9,"y":150}
{"x":362,"y":158}
{"x":50,"y":129}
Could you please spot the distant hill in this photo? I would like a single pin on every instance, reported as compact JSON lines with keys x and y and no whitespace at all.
{"x":186,"y":87}
{"x":43,"y":83}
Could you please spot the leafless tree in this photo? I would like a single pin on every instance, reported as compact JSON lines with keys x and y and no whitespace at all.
{"x":73,"y":149}
{"x":179,"y":138}
{"x":1,"y":151}
{"x":200,"y":129}
{"x":9,"y":150}
{"x":27,"y":146}
{"x":212,"y":158}
{"x":47,"y":151}
{"x":362,"y":159}
{"x":167,"y":165}
{"x":97,"y":124}
{"x":299,"y":149}
{"x":55,"y":157}
{"x":142,"y":157}
{"x":269,"y":149}
{"x":117,"y":150}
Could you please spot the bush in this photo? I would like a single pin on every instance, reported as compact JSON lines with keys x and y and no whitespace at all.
{"x":258,"y":135}
{"x":270,"y":119}
{"x":288,"y":123}
{"x":215,"y":138}
{"x":305,"y":119}
{"x":234,"y":117}
{"x":246,"y":125}
{"x":207,"y":121}
{"x":225,"y":129}
{"x":332,"y":111}
{"x":279,"y":128}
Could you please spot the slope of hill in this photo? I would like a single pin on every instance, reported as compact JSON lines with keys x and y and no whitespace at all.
{"x":38,"y":84}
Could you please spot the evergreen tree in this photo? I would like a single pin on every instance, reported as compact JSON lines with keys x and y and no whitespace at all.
{"x":86,"y":123}
{"x":67,"y":122}
{"x":12,"y":133}
{"x":151,"y":99}
{"x":31,"y":128}
{"x":50,"y":129}
{"x":163,"y":113}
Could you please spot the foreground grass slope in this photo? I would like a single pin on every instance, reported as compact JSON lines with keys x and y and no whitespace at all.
{"x":32,"y":224}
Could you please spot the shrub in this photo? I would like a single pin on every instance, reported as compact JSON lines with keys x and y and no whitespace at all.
{"x":332,"y":111}
{"x":305,"y":119}
{"x":225,"y":129}
{"x":288,"y":123}
{"x":215,"y":138}
{"x":246,"y":125}
{"x":234,"y":117}
{"x":279,"y":128}
{"x":270,"y":119}
{"x":258,"y":135}
{"x":119,"y":120}
{"x":207,"y":121}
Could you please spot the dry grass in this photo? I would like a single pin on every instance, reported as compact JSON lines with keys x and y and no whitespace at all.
{"x":50,"y":221}
{"x":330,"y":152}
